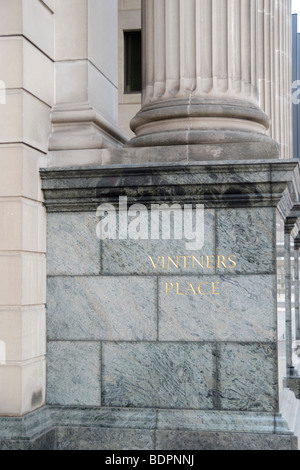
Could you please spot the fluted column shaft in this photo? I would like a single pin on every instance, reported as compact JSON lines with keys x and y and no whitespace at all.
{"x":200,"y":47}
{"x":274,"y":70}
{"x":201,"y":73}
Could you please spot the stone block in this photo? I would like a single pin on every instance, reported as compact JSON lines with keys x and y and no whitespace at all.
{"x":103,"y":94}
{"x":65,"y":158}
{"x":32,"y":19}
{"x":22,"y":333}
{"x":68,"y":89}
{"x":102,"y":37}
{"x":46,"y":441}
{"x":25,"y":225}
{"x":24,"y":389}
{"x":197,"y":440}
{"x":38,"y":25}
{"x":71,"y":35}
{"x":11,"y":17}
{"x":72,"y":244}
{"x":95,"y":438}
{"x":25,"y":119}
{"x":19,"y":168}
{"x":158,"y":375}
{"x":38,"y":73}
{"x":231,"y":308}
{"x":73,"y":373}
{"x":247,"y":375}
{"x":103,"y":308}
{"x":23,"y":279}
{"x":30,"y":70}
{"x":89,"y":86}
{"x":250,"y":235}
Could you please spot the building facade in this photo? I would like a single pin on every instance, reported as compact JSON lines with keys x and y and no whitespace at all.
{"x":75,"y":128}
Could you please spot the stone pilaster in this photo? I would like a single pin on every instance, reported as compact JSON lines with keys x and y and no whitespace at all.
{"x":85,"y":114}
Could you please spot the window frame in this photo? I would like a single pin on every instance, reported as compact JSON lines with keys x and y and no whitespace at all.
{"x":125,"y":32}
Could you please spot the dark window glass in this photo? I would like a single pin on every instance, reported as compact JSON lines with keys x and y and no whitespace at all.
{"x":133,"y":61}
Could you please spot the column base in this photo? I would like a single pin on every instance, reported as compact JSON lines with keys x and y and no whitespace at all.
{"x":217,"y":128}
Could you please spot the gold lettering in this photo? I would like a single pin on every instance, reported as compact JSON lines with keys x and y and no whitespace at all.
{"x":232,"y":261}
{"x":200,"y":286}
{"x":170,"y":286}
{"x":178,"y":293}
{"x":191,"y":288}
{"x":185,"y":258}
{"x":210,"y":261}
{"x":154,"y":265}
{"x":212,"y":288}
{"x":172,"y":261}
{"x":221,"y":260}
{"x":163,"y":263}
{"x":215,"y":285}
{"x":197,"y":261}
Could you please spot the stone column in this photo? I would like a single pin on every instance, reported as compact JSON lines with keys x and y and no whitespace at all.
{"x":201,"y":78}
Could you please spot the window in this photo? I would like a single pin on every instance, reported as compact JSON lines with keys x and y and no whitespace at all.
{"x":133,"y":61}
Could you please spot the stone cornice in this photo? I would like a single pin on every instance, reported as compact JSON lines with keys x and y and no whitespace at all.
{"x":218,"y":184}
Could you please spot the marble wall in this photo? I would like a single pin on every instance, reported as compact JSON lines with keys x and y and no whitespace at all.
{"x":119,"y":334}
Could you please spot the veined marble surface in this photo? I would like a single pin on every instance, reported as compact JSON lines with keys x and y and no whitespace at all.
{"x":243,"y":310}
{"x":74,"y":373}
{"x":249,"y":234}
{"x":103,"y":308}
{"x":158,"y":375}
{"x":72,"y":244}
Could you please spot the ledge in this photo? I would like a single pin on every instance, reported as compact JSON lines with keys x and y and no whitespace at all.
{"x":262,"y":183}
